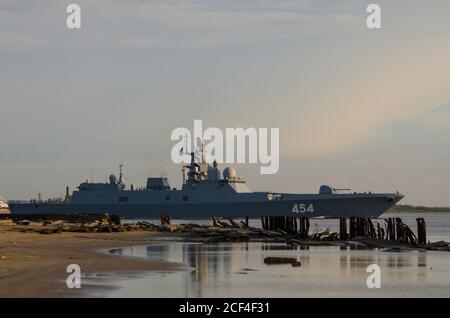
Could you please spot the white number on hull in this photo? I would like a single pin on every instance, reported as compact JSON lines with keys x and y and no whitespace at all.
{"x":303,"y":208}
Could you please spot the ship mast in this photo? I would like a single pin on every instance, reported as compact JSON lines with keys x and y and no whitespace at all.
{"x":184,"y":149}
{"x":120,"y":173}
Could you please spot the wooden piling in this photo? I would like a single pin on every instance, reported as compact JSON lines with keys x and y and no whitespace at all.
{"x":399,"y":229}
{"x":343,"y":235}
{"x":390,"y":229}
{"x":371,"y":229}
{"x":421,"y":231}
{"x":380,"y":231}
{"x":303,"y":227}
{"x":291,"y":225}
{"x":352,"y":227}
{"x":281,"y":223}
{"x":165,"y":219}
{"x":360,"y":229}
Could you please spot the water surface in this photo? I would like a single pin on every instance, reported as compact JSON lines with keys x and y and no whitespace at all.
{"x":238,"y":270}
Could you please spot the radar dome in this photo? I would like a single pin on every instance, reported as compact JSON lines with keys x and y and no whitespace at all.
{"x":112,"y":179}
{"x":229,"y":173}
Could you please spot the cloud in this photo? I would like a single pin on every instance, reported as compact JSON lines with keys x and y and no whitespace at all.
{"x":18,"y":40}
{"x":406,"y":82}
{"x":168,"y":24}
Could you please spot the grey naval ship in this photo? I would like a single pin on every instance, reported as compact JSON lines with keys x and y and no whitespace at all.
{"x":206,"y":192}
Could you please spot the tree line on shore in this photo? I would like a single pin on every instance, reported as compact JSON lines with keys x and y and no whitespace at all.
{"x":399,"y":208}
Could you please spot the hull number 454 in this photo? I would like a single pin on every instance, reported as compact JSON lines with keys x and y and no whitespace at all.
{"x":303,"y":208}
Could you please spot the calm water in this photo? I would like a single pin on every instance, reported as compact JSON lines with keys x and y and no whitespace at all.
{"x":238,"y":270}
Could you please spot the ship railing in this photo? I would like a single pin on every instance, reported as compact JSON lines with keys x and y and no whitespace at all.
{"x":19,"y":201}
{"x":33,"y":201}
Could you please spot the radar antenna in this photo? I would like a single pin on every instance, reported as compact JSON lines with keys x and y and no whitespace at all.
{"x":120,"y":173}
{"x":184,"y":149}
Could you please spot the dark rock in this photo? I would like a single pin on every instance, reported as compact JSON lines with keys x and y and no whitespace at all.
{"x":281,"y":260}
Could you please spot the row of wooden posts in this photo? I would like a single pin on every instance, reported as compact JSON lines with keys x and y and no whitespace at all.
{"x":393,"y":229}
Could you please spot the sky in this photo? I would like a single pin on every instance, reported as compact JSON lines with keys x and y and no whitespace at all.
{"x":357,"y":108}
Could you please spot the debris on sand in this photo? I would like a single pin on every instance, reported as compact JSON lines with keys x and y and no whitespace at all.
{"x":363,"y":234}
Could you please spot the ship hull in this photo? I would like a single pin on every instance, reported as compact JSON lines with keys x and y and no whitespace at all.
{"x":310,"y":206}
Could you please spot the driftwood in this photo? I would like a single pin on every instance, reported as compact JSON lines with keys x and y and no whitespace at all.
{"x":363,"y":233}
{"x":233,"y":223}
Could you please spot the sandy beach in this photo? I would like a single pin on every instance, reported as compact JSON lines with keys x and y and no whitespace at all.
{"x":34,"y":265}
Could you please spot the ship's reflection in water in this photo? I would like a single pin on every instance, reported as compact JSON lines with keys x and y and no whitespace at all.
{"x":238,"y":270}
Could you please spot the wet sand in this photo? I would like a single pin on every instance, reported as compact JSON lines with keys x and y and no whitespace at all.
{"x":34,"y":265}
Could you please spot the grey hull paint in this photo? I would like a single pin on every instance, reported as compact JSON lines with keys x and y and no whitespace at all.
{"x":335,"y":205}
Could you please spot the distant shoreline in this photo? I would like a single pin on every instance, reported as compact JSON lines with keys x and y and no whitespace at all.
{"x":406,"y":208}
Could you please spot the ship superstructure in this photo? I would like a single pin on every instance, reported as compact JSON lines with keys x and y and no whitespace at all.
{"x":4,"y":208}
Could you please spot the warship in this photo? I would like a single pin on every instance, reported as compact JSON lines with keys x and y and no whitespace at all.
{"x":206,"y":192}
